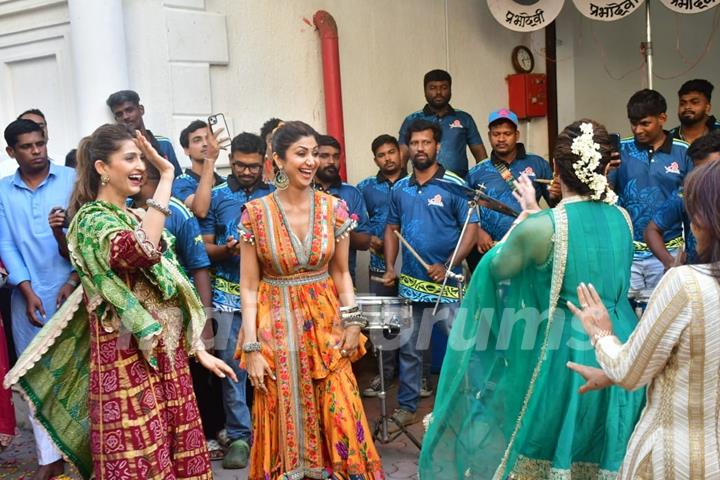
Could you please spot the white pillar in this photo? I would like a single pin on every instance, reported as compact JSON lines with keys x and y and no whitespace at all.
{"x":98,"y":44}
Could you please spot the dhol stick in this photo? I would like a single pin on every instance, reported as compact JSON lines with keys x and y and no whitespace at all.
{"x":411,"y":250}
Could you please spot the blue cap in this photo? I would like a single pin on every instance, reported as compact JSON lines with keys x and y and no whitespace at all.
{"x":503,"y":113}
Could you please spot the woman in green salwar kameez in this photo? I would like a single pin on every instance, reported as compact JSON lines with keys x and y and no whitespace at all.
{"x":507,"y":406}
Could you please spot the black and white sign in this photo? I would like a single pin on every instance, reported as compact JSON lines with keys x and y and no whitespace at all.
{"x":607,"y":11}
{"x":690,"y":6}
{"x":525,"y":15}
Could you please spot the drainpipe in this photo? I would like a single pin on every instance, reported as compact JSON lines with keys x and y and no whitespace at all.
{"x":327,"y":28}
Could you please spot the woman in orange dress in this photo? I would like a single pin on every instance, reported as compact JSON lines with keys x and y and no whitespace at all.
{"x":308,"y":419}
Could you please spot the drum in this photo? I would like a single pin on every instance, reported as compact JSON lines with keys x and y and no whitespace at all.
{"x":385,"y":313}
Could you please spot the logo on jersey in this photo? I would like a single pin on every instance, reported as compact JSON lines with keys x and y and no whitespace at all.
{"x":436,"y":201}
{"x":673,"y":168}
{"x":529,"y":172}
{"x":456,"y":124}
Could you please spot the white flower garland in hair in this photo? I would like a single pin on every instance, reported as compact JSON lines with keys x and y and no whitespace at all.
{"x":585,"y":167}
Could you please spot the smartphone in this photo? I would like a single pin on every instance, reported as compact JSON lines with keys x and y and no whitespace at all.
{"x":217,"y":121}
{"x":615,"y":141}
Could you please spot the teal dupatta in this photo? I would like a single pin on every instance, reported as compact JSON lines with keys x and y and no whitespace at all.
{"x":507,"y":406}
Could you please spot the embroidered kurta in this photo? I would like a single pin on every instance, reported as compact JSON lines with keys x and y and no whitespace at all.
{"x":107,"y":376}
{"x":311,"y":423}
{"x":676,"y":350}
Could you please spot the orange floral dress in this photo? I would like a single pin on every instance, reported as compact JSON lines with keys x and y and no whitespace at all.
{"x":311,"y":423}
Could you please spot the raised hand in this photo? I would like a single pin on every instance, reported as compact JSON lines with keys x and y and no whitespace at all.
{"x":151,"y":155}
{"x":525,"y":193}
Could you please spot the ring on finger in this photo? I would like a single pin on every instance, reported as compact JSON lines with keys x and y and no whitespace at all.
{"x":583,"y":306}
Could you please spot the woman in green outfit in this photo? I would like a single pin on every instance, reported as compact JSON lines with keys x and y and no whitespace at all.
{"x":507,"y":406}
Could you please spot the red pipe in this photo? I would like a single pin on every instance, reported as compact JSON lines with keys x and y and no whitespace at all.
{"x":327,"y":28}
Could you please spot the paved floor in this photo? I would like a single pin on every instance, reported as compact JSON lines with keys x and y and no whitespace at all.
{"x":399,"y":456}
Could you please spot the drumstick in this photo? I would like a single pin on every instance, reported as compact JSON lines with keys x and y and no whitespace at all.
{"x":412,"y":250}
{"x":376,"y":279}
{"x":543,"y":181}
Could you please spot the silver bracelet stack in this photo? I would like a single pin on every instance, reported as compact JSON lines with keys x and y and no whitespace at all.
{"x":352,"y":317}
{"x":251,"y":347}
{"x":152,"y":203}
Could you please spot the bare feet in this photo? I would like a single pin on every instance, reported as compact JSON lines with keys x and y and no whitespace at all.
{"x":46,"y":472}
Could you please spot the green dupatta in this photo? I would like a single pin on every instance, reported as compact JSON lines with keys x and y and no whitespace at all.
{"x":53,"y":372}
{"x":506,"y":404}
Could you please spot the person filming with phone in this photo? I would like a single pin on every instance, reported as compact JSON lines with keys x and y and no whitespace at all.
{"x":219,"y":234}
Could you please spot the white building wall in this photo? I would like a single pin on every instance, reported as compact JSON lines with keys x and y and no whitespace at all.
{"x":254,"y":60}
{"x":599,"y":63}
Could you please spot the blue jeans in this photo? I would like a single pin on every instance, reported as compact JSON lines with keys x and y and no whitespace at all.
{"x":237,"y":414}
{"x":415,"y":353}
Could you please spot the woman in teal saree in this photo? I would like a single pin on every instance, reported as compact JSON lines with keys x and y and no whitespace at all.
{"x":507,"y":405}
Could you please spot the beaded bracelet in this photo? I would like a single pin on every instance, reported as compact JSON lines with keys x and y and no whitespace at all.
{"x":350,"y":315}
{"x":252,"y":347}
{"x":600,"y":334}
{"x":152,"y":203}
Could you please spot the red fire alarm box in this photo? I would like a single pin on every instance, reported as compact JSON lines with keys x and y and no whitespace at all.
{"x":527,"y":94}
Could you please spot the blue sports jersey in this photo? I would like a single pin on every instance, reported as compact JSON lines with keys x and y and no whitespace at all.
{"x":645,"y":179}
{"x":164,"y":147}
{"x":430,"y":219}
{"x":458,"y":132}
{"x":189,"y":246}
{"x":376,"y":192}
{"x":669,"y":214}
{"x":187,"y":184}
{"x":486,"y":177}
{"x":222,"y":221}
{"x":356,"y":206}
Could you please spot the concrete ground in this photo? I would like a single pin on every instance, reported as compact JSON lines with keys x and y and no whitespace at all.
{"x":399,"y":456}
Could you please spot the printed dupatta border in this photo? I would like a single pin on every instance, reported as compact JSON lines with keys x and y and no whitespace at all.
{"x":558,"y":275}
{"x":45,"y":338}
{"x":35,"y":351}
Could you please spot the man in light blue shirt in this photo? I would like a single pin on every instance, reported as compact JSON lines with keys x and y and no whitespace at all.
{"x":41,"y":277}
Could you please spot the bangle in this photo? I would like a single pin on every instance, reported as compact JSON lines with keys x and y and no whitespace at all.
{"x":350,"y":315}
{"x":349,"y":309}
{"x":359,"y":321}
{"x":600,"y":334}
{"x":251,"y":347}
{"x":72,"y":283}
{"x":152,"y":203}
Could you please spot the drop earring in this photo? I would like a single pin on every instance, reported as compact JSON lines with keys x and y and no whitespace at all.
{"x":281,"y":179}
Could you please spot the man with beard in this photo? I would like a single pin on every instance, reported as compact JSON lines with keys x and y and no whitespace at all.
{"x":694,"y":111}
{"x":430,"y":218}
{"x":652,"y":166}
{"x":458,"y":128}
{"x":327,"y":179}
{"x":198,"y":180}
{"x":376,"y":192}
{"x":126,"y":108}
{"x":41,"y":278}
{"x":218,"y":228}
{"x":495,"y":175}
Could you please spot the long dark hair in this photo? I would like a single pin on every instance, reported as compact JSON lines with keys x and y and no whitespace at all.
{"x":702,"y":202}
{"x":99,"y":146}
{"x":565,"y":158}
